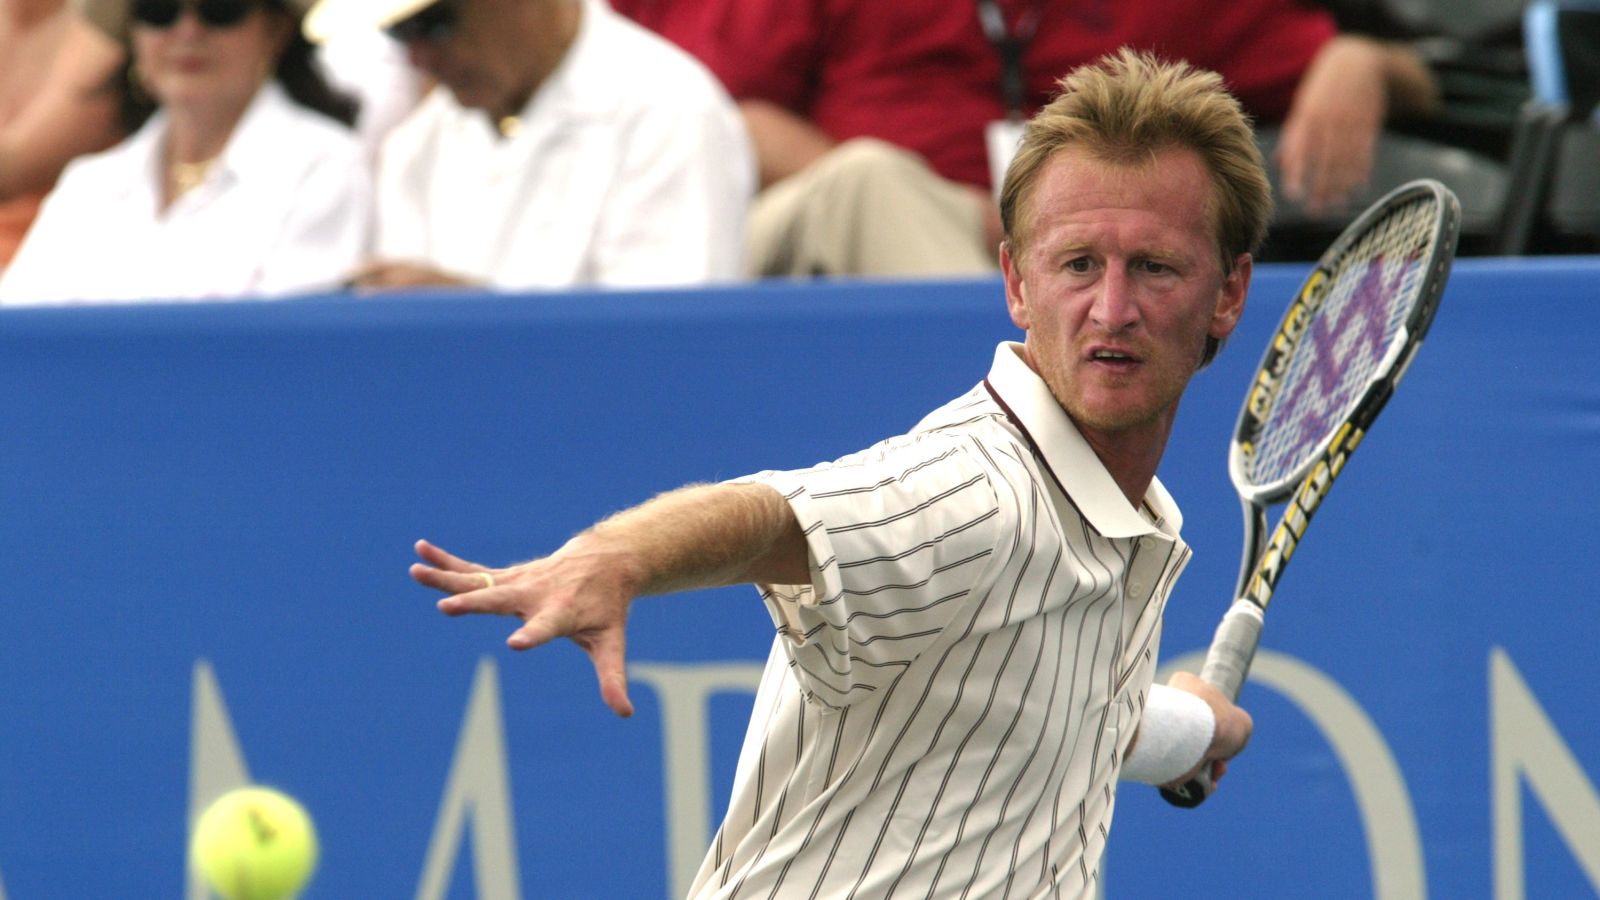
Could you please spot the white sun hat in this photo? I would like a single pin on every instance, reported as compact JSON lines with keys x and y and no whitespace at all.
{"x":334,"y":18}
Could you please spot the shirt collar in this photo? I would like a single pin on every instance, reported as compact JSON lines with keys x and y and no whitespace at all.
{"x":1082,"y":477}
{"x":585,"y":62}
{"x":256,"y":142}
{"x":563,"y":94}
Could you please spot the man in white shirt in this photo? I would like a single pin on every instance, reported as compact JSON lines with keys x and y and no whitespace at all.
{"x":563,"y":146}
{"x":968,"y":614}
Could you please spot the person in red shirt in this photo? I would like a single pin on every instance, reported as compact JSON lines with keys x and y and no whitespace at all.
{"x":873,"y":120}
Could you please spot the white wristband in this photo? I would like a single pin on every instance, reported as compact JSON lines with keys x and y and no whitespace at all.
{"x":1173,"y":737}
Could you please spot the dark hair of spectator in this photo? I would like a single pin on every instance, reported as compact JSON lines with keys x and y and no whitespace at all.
{"x":296,"y":71}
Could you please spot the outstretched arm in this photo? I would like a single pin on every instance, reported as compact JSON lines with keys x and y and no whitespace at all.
{"x":784,"y":141}
{"x":695,"y":537}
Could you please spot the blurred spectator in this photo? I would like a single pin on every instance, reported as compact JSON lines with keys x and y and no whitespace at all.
{"x":372,"y":68}
{"x":363,"y":64}
{"x":563,"y":146}
{"x":53,"y":104}
{"x":878,"y":124}
{"x":241,"y":179}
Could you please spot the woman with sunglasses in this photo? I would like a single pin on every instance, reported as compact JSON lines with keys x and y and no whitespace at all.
{"x":242,"y":177}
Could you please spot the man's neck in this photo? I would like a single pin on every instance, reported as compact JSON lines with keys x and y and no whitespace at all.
{"x":1132,"y":456}
{"x":552,"y":28}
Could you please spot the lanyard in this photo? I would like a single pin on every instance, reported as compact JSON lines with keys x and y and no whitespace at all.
{"x":1010,"y":45}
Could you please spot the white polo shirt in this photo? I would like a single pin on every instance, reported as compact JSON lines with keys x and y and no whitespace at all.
{"x":287,"y":208}
{"x":632,"y":167}
{"x":948,"y":701}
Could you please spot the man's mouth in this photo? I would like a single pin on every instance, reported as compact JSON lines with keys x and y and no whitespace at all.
{"x":1117,"y":358}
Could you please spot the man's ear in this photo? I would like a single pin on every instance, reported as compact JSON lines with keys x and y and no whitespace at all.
{"x":1016,"y":298}
{"x":1230,"y":302}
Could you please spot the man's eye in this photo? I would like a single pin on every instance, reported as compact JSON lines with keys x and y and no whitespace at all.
{"x":1154,"y":268}
{"x":1079,"y":265}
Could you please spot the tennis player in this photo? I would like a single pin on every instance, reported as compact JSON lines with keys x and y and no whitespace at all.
{"x":968,"y":614}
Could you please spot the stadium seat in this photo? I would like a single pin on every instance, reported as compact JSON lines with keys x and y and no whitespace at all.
{"x":1556,"y":205}
{"x":1478,"y":180}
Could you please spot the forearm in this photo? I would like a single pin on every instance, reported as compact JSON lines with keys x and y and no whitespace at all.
{"x":784,"y":142}
{"x":1410,"y":88}
{"x":1413,"y":89}
{"x":700,"y":536}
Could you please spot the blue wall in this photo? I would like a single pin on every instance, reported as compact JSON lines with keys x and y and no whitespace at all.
{"x":224,"y":496}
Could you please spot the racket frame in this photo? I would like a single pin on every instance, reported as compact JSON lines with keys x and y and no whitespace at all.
{"x":1264,"y":558}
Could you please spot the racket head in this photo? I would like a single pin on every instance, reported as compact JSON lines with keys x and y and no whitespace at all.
{"x":1346,"y":339}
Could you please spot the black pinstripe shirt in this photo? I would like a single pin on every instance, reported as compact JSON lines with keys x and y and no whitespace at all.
{"x":948,"y":701}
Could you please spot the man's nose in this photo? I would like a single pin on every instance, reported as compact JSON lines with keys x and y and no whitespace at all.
{"x":1115,"y":306}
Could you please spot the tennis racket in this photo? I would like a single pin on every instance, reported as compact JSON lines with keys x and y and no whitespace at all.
{"x":1342,"y":347}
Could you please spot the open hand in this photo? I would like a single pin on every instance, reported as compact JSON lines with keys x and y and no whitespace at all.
{"x":576,"y":593}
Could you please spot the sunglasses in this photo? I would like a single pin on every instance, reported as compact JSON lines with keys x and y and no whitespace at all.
{"x":212,"y":13}
{"x":432,"y":24}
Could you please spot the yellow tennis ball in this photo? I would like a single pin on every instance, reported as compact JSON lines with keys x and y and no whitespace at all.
{"x":254,"y":843}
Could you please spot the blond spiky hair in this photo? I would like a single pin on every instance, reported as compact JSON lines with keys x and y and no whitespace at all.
{"x":1126,"y":107}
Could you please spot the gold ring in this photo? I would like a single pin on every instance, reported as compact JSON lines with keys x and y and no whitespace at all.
{"x":488,"y":580}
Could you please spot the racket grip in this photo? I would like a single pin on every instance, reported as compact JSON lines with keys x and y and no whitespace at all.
{"x":1232,"y":648}
{"x":1227,"y":663}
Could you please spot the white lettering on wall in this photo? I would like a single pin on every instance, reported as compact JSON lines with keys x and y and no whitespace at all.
{"x":216,"y":762}
{"x":1524,"y":744}
{"x":684,"y":690}
{"x":479,"y":784}
{"x":1394,"y":843}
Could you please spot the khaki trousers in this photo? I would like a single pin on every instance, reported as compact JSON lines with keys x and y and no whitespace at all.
{"x":866,"y":208}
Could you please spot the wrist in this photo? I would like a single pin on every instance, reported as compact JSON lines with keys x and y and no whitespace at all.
{"x":605,"y":556}
{"x":1174,"y":737}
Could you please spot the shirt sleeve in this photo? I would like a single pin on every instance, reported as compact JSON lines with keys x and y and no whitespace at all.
{"x":401,"y":218}
{"x":328,"y":231}
{"x":41,"y":271}
{"x":1263,"y":48}
{"x":901,"y":540}
{"x":675,"y":211}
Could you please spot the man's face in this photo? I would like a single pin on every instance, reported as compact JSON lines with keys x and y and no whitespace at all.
{"x":1118,"y":282}
{"x":466,"y":46}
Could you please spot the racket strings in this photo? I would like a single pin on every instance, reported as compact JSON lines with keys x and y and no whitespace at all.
{"x":1371,"y":291}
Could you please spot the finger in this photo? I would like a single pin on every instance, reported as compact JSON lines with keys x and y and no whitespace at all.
{"x":536,"y":631}
{"x":452,"y":582}
{"x":440,"y":558}
{"x":1319,"y":178}
{"x":500,"y":601}
{"x":1291,"y":164}
{"x":607,"y":652}
{"x":1329,"y":183}
{"x":1354,"y":173}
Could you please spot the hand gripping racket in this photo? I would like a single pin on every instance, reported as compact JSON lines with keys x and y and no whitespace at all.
{"x":1343,"y":346}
